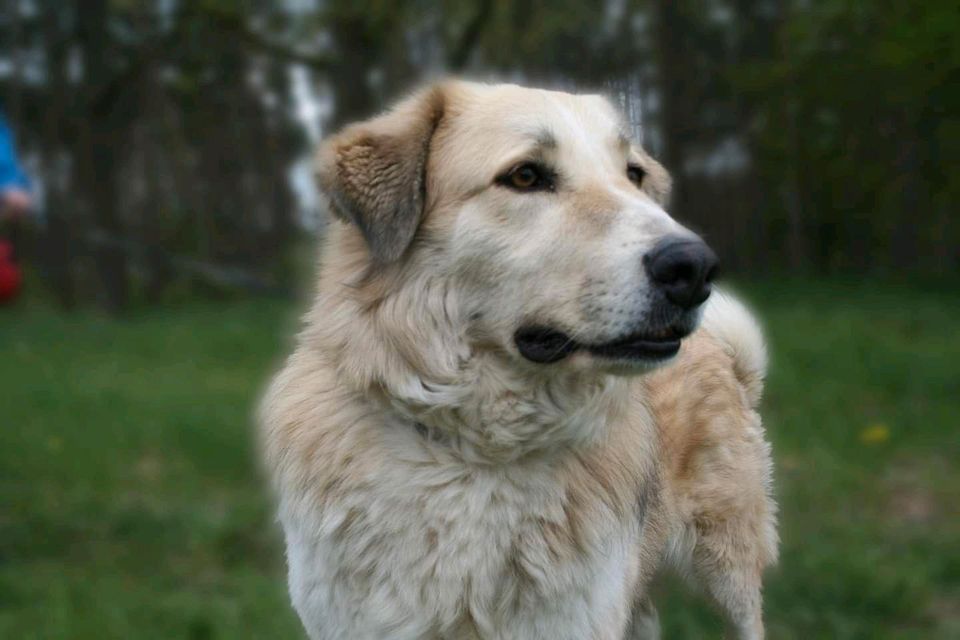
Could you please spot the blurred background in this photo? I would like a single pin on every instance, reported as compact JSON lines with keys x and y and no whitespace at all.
{"x":159,"y":227}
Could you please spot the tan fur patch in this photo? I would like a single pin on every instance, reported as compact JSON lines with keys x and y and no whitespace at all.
{"x":595,"y":209}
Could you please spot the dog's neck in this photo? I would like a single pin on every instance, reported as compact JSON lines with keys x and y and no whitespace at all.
{"x":493,"y":415}
{"x":405,"y":349}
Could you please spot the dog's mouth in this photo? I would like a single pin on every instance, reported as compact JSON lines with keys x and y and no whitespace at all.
{"x":544,"y":345}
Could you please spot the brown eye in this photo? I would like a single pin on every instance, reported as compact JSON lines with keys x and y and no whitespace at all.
{"x":635,"y":173}
{"x":527,"y":177}
{"x":524,"y":177}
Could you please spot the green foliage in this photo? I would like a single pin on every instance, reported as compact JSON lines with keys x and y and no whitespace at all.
{"x":134,"y":508}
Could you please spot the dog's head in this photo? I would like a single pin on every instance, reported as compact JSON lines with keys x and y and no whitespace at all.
{"x":537,"y":204}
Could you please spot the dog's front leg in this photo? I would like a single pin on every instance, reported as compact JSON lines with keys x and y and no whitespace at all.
{"x":645,"y":624}
{"x":734,"y":584}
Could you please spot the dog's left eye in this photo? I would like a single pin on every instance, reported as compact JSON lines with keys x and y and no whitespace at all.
{"x":635,"y":173}
{"x":528,"y":176}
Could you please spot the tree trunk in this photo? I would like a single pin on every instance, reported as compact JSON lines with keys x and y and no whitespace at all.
{"x":358,"y":50}
{"x":56,"y":243}
{"x":99,"y":148}
{"x":671,"y":61}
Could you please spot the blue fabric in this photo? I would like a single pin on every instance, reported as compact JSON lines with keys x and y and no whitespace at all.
{"x":11,"y":176}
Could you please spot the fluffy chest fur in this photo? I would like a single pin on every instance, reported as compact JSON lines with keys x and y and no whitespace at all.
{"x":391,"y":534}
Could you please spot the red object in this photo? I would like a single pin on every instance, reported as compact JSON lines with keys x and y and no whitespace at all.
{"x":10,"y":276}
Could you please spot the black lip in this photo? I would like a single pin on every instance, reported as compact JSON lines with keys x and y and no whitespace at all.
{"x":545,"y":345}
{"x":638,"y":348}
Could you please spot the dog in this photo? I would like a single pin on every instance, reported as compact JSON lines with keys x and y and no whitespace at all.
{"x":514,"y":399}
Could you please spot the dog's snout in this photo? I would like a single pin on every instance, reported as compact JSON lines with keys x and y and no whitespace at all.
{"x":683,"y":269}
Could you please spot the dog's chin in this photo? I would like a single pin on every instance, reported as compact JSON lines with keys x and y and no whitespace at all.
{"x":631,"y":353}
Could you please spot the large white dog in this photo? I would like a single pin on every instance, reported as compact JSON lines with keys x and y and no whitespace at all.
{"x":512,"y":403}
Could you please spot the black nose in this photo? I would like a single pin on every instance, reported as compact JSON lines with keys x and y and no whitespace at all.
{"x":683,"y":269}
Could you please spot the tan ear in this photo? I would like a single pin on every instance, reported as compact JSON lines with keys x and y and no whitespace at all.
{"x":374,"y":172}
{"x":657,"y":182}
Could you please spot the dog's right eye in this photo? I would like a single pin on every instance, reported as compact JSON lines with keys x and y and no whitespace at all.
{"x":636,"y":173}
{"x":528,"y":176}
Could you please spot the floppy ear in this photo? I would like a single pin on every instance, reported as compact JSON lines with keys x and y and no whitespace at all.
{"x":374,"y":173}
{"x":657,"y":182}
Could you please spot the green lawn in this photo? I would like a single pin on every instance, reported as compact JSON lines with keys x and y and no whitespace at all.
{"x":131,"y":505}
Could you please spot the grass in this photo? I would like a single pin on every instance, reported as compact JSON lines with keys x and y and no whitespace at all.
{"x":131,"y":505}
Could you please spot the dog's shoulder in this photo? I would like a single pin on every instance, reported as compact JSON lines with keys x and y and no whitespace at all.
{"x":705,"y":407}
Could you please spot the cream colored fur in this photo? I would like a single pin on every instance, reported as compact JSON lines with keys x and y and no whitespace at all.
{"x":434,"y":484}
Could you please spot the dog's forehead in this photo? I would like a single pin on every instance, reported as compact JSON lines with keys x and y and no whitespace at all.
{"x":513,"y":111}
{"x":488,"y":126}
